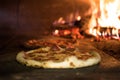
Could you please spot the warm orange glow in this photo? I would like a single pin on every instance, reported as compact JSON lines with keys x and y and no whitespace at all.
{"x":94,"y":32}
{"x":67,"y":32}
{"x":109,"y":14}
{"x":56,"y":33}
{"x":59,"y":21}
{"x":75,"y":33}
{"x":79,"y":18}
{"x":106,"y":14}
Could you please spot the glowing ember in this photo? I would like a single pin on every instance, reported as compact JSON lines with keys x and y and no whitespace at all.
{"x":67,"y":32}
{"x":73,"y":32}
{"x":59,"y":21}
{"x":78,"y":18}
{"x":67,"y":27}
{"x":56,"y":33}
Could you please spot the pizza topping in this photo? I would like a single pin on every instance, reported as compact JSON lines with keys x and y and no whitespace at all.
{"x":72,"y":64}
{"x":55,"y":48}
{"x":62,"y":46}
{"x":34,"y":44}
{"x":55,"y":54}
{"x":70,"y":49}
{"x":46,"y":49}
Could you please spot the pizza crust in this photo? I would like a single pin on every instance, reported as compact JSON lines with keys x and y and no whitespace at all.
{"x":69,"y":62}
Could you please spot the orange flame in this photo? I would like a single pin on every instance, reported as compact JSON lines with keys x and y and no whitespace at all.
{"x":56,"y":32}
{"x":107,"y":15}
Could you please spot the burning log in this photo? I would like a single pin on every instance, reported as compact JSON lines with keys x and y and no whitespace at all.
{"x":80,"y":23}
{"x":74,"y":29}
{"x":106,"y":33}
{"x":106,"y":16}
{"x":73,"y":32}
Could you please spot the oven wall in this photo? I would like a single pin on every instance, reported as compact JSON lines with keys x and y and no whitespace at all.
{"x":34,"y":17}
{"x":8,"y":17}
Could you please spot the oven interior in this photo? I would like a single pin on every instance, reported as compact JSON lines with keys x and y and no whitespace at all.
{"x":22,"y":20}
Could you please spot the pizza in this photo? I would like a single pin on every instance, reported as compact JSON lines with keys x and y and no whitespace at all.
{"x":58,"y":54}
{"x":36,"y":43}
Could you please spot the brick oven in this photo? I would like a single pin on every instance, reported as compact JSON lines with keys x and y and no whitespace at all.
{"x":94,"y":23}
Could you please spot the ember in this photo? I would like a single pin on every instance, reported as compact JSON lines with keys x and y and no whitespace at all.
{"x":66,"y":27}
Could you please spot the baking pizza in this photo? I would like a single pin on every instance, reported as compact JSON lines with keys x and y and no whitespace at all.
{"x":58,"y":55}
{"x":36,"y":43}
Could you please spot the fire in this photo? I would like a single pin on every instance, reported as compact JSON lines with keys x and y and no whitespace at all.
{"x":67,"y":27}
{"x":56,"y":32}
{"x":104,"y":22}
{"x":78,"y":18}
{"x":109,"y":14}
{"x":73,"y":32}
{"x":106,"y":15}
{"x":59,"y":21}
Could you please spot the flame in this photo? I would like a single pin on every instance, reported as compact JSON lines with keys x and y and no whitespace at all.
{"x":78,"y":18}
{"x":56,"y":32}
{"x":59,"y":21}
{"x":68,"y":20}
{"x":66,"y":27}
{"x":107,"y":15}
{"x":67,"y":32}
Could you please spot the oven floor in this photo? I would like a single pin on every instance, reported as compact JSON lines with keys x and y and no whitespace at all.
{"x":10,"y":69}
